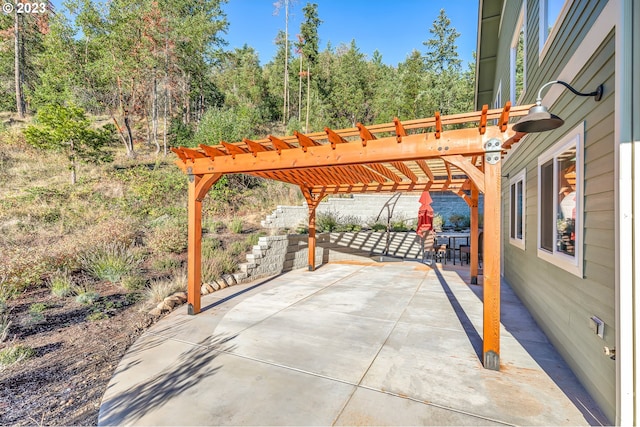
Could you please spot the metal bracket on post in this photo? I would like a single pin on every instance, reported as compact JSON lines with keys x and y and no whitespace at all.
{"x":190,"y":174}
{"x":493,"y":151}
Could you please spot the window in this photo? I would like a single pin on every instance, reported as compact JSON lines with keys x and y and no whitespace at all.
{"x":552,"y":13}
{"x":560,"y":202}
{"x":517,"y":73}
{"x":517,"y":200}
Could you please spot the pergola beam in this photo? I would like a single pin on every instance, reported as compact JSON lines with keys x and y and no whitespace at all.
{"x":413,"y":147}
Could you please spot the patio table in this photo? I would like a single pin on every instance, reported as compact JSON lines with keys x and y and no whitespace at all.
{"x":452,"y":237}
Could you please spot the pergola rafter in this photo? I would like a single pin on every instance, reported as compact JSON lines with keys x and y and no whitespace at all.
{"x":460,"y":153}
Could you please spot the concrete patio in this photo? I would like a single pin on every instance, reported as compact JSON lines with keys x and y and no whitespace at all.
{"x":354,"y":343}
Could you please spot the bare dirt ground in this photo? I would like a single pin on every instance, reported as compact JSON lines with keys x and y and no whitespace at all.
{"x":63,"y":383}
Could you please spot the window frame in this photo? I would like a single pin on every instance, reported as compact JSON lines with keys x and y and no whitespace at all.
{"x":544,"y":38}
{"x":497,"y":102}
{"x":513,"y":185}
{"x":572,"y":264}
{"x":513,"y":56}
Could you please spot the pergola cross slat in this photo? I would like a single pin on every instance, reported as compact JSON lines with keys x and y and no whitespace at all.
{"x":460,"y":153}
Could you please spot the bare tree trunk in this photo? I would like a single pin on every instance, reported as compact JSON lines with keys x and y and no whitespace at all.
{"x":308,"y":96}
{"x":72,"y":167}
{"x":154,"y":115}
{"x":164,"y":130}
{"x":285,"y":113}
{"x":17,"y":68}
{"x":300,"y":91}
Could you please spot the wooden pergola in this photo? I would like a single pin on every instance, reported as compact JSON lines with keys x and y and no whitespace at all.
{"x":460,"y":153}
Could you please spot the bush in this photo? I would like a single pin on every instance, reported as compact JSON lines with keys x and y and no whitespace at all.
{"x":111,"y":262}
{"x":61,"y":284}
{"x":85,"y":294}
{"x":349,"y":223}
{"x":327,"y":222}
{"x":236,"y":226}
{"x":133,"y":282}
{"x":36,"y":311}
{"x":158,"y":290}
{"x":169,"y":237}
{"x":14,"y":354}
{"x":218,"y":263}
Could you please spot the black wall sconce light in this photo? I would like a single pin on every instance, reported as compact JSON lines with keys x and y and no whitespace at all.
{"x":539,"y":119}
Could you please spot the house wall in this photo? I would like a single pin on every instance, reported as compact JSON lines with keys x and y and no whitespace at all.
{"x":561,"y":302}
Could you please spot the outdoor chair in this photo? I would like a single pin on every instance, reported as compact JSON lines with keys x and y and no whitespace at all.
{"x":466,"y":249}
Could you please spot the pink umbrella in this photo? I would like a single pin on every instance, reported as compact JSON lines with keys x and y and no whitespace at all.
{"x":425,"y":214}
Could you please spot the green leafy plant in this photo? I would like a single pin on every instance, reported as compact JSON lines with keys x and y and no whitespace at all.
{"x":67,"y":129}
{"x":158,"y":290}
{"x":169,"y":237}
{"x":61,"y":284}
{"x":349,"y":223}
{"x":132,"y":282}
{"x":36,"y":312}
{"x":327,"y":221}
{"x":111,"y":262}
{"x":236,"y":226}
{"x":14,"y":354}
{"x":85,"y":294}
{"x":219,"y":262}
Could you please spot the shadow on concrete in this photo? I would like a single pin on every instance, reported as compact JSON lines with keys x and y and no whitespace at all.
{"x":191,"y":368}
{"x":474,"y":338}
{"x":517,"y":321}
{"x":240,"y":292}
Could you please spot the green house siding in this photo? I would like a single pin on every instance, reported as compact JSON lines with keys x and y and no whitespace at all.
{"x":562,"y":303}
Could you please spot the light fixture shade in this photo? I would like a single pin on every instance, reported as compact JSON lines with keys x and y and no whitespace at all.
{"x":539,"y":119}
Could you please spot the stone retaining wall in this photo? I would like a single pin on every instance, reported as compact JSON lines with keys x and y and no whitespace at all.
{"x":367,"y":207}
{"x":277,"y":254}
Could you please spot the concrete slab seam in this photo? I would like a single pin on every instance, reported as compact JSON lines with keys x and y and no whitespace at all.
{"x":395,"y":325}
{"x":436,"y":405}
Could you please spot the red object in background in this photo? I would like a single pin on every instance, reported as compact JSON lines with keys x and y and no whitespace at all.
{"x":425,"y":214}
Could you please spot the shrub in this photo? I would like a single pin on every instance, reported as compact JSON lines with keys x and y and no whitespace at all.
{"x":349,"y":223}
{"x":236,"y":226}
{"x":169,"y":237}
{"x":218,"y":263}
{"x":111,"y":262}
{"x":209,"y":246}
{"x":166,"y":264}
{"x":14,"y":354}
{"x":158,"y":290}
{"x":85,"y":294}
{"x":237,"y":248}
{"x":132,"y":282}
{"x":327,"y":221}
{"x":61,"y":284}
{"x":5,"y":322}
{"x":36,"y":311}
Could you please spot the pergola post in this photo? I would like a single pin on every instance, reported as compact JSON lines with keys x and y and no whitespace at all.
{"x":491,"y":269}
{"x":199,"y":185}
{"x":312,"y":237}
{"x":473,"y":245}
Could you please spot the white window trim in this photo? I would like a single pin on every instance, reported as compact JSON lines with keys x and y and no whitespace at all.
{"x":520,"y":25}
{"x":545,"y":41}
{"x":497,"y":102}
{"x":522,"y":176}
{"x":573,"y":265}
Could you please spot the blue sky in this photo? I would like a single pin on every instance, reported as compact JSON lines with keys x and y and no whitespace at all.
{"x":395,"y":28}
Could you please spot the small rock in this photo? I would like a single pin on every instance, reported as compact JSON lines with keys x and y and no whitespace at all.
{"x":222,"y":284}
{"x":181,"y":295}
{"x":215,"y":285}
{"x":169,"y":302}
{"x":204,"y":290}
{"x":209,"y":287}
{"x":176,"y":300}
